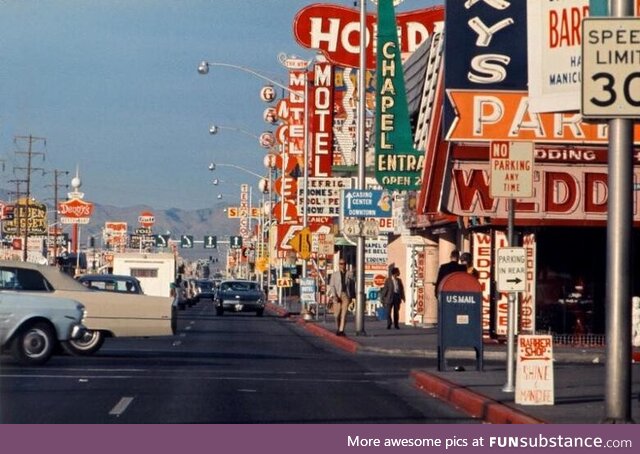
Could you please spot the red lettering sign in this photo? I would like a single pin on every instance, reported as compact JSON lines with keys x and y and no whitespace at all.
{"x":335,"y":30}
{"x":75,"y":208}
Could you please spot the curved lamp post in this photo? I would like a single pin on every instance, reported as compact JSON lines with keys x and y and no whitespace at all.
{"x":214,"y":129}
{"x":213,"y":166}
{"x":203,"y":68}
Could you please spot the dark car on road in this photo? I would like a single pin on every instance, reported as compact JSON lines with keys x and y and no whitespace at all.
{"x":239,"y":296}
{"x":205,"y":289}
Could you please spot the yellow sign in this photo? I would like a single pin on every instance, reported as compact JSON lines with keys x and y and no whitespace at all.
{"x":285,"y":282}
{"x":238,"y":212}
{"x":28,"y":216}
{"x":262,"y":263}
{"x":301,"y":243}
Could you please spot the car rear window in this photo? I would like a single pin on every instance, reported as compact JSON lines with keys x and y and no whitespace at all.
{"x":239,"y":286}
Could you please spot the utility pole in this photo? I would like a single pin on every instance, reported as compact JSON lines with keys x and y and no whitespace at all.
{"x":30,"y":153}
{"x":56,"y":185}
{"x":16,"y":208}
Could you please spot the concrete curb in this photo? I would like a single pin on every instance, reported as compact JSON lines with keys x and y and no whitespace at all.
{"x":472,"y":403}
{"x":343,"y":343}
{"x":277,"y":310}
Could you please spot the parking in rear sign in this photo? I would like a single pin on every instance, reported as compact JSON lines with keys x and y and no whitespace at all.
{"x":511,"y":269}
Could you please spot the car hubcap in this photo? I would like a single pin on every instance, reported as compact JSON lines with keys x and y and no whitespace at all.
{"x":35,"y":343}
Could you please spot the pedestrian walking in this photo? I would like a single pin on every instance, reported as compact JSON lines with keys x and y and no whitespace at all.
{"x":450,"y":267}
{"x":392,"y":297}
{"x":467,"y":261}
{"x":341,"y":291}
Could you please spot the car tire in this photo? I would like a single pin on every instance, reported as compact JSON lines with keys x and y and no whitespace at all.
{"x":87,"y":345}
{"x":34,"y":344}
{"x":260,"y":312}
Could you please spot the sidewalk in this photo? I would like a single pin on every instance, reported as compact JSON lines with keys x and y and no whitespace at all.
{"x":579,"y":373}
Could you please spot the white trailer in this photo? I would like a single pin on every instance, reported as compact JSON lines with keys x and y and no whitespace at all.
{"x":156,"y":272}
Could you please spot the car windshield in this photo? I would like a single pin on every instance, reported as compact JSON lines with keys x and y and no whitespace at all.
{"x":239,"y":286}
{"x":205,"y":285}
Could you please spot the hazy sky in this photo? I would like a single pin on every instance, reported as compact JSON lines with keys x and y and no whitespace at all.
{"x":113,"y":87}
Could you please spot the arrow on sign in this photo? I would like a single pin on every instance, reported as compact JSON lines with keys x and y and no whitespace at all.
{"x":534,"y":358}
{"x":515,"y":280}
{"x":349,"y":196}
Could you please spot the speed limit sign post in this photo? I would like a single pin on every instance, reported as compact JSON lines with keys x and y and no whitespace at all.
{"x":611,"y":67}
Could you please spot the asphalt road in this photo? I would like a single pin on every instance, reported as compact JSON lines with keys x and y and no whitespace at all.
{"x":237,"y":368}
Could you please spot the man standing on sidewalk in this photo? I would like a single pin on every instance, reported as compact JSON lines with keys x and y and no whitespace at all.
{"x":448,"y":268}
{"x":392,"y":296}
{"x":341,"y":286}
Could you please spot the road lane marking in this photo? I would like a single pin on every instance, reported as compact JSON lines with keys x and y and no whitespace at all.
{"x":121,"y":406}
{"x":247,"y":390}
{"x":248,"y":378}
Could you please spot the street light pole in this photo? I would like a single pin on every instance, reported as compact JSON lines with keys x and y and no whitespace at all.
{"x":213,"y":130}
{"x":361,"y":137}
{"x":203,"y":68}
{"x":214,"y":165}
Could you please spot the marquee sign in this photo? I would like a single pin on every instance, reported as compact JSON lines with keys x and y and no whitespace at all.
{"x":505,"y":115}
{"x":75,"y":209}
{"x":335,"y":30}
{"x":37,"y":218}
{"x":563,"y":195}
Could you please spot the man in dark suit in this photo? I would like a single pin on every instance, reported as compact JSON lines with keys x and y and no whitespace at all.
{"x":392,"y":296}
{"x":448,"y":268}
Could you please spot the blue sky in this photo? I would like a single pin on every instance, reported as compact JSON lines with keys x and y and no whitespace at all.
{"x":113,"y":87}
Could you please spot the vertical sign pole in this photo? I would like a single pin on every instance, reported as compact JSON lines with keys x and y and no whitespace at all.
{"x":618,"y":292}
{"x":511,"y":308}
{"x":305,"y":182}
{"x":362,"y":102}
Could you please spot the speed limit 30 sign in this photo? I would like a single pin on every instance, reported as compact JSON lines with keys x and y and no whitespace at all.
{"x":610,"y":67}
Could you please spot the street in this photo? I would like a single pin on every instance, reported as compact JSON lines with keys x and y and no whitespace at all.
{"x":237,"y":368}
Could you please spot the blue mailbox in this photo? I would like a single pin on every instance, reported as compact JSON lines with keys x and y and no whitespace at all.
{"x":460,"y":316}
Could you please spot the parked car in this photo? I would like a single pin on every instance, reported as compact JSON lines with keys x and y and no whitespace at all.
{"x":205,"y":289}
{"x":108,"y":314}
{"x":32,"y":326}
{"x":111,"y":283}
{"x":240,"y":296}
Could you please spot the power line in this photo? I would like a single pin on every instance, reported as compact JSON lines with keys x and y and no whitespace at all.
{"x":29,"y":153}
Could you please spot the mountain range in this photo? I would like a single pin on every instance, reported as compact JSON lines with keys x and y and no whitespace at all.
{"x":177,"y":221}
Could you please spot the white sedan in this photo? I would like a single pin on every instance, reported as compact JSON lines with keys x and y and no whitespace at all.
{"x":31,"y":325}
{"x":108,"y":314}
